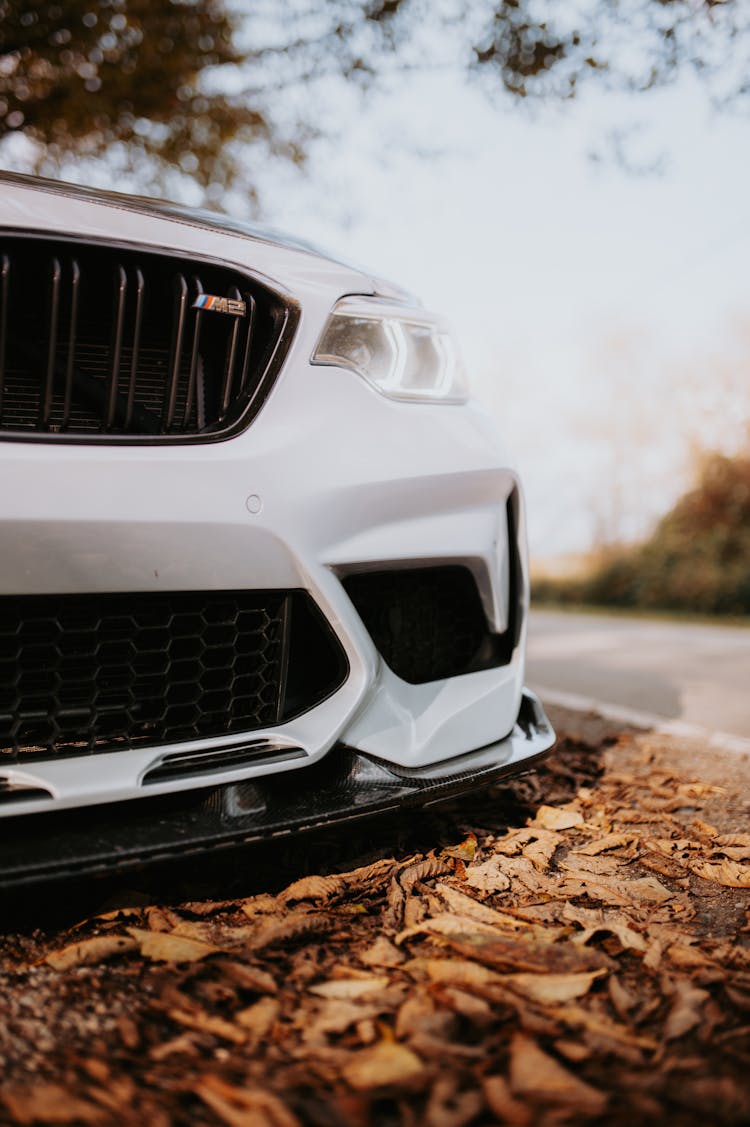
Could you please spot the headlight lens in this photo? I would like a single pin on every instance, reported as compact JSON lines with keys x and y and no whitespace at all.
{"x":405,"y":353}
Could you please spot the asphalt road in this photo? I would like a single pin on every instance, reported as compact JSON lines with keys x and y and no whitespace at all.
{"x":691,"y":673}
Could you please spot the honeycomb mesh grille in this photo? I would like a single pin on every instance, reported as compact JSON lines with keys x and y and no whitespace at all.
{"x":428,"y":623}
{"x":93,"y":673}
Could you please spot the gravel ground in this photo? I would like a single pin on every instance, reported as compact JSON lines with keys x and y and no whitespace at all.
{"x":571,"y":946}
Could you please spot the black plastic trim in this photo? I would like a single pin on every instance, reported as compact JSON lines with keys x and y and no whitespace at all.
{"x":187,"y":764}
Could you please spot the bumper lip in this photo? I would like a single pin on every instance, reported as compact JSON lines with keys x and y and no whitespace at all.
{"x":345,"y":786}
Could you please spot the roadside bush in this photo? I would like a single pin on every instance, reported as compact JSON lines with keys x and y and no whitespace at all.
{"x":697,"y":559}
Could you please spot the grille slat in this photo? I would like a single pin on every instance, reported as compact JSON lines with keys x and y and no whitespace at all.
{"x":91,"y":673}
{"x":195,"y":357}
{"x":250,"y":300}
{"x":4,"y":290}
{"x":121,"y":289}
{"x":139,"y":289}
{"x":45,"y":402}
{"x":75,"y":278}
{"x":110,"y":344}
{"x":170,"y":401}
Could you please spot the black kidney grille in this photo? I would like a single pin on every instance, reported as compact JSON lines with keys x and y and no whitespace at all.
{"x":90,"y":673}
{"x":108,"y":343}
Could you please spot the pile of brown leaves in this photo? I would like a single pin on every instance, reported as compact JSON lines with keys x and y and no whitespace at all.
{"x":565,"y":970}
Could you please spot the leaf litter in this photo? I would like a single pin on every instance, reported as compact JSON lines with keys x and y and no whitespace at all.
{"x":572,"y":946}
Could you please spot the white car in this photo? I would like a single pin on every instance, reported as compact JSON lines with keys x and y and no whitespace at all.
{"x":262,"y":561}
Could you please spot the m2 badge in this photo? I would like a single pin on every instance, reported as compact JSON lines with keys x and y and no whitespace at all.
{"x":210,"y":302}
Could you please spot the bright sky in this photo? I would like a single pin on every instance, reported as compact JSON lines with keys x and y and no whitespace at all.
{"x":604,"y":315}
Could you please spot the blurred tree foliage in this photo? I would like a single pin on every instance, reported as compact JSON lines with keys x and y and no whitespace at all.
{"x":81,"y":76}
{"x":183,"y":83}
{"x":697,"y":559}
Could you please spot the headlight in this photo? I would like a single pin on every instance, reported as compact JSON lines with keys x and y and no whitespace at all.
{"x":403,"y":352}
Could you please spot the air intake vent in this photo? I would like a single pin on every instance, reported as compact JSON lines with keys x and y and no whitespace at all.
{"x":428,"y":622}
{"x":183,"y":765}
{"x":11,"y":792}
{"x":102,"y":343}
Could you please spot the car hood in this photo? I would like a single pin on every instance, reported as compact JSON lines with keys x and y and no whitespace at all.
{"x":201,"y":218}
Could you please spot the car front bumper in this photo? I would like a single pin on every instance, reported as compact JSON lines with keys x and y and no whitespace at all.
{"x":347,"y":785}
{"x":305,"y":497}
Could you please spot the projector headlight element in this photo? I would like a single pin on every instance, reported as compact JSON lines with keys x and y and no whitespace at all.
{"x":404,"y":352}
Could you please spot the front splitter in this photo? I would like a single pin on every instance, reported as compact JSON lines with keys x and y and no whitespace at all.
{"x":344,"y":786}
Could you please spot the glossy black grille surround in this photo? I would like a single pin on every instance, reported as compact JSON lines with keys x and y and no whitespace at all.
{"x":102,"y":343}
{"x":82,"y":674}
{"x":428,"y":623}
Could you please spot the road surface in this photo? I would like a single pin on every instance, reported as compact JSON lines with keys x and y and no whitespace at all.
{"x":686,"y":672}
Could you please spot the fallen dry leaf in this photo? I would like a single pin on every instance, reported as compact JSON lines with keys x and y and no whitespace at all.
{"x":50,"y":1103}
{"x":294,"y":926}
{"x":185,"y":1043}
{"x":90,"y":951}
{"x":247,"y":976}
{"x":208,"y":1023}
{"x":628,"y":939}
{"x":127,"y":911}
{"x":166,"y":947}
{"x":623,"y":1000}
{"x":539,"y":1078}
{"x":503,"y":1104}
{"x":552,"y":989}
{"x":688,"y":957}
{"x":740,"y":840}
{"x":350,"y":988}
{"x":578,"y":1017}
{"x":489,"y":876}
{"x":471,"y":1006}
{"x":161,"y":919}
{"x":448,"y":1106}
{"x":262,"y":905}
{"x":382,"y":953}
{"x":687,"y":1011}
{"x":541,"y":849}
{"x":557,"y":818}
{"x":463,"y":852}
{"x":312,"y":888}
{"x":257,"y":1019}
{"x":733,"y":852}
{"x":517,"y":954}
{"x":573,"y":1051}
{"x":386,"y":1065}
{"x":729,"y":873}
{"x":467,"y":906}
{"x":446,"y":923}
{"x":244,"y":1107}
{"x":455,"y":972}
{"x":604,"y":844}
{"x":333,"y":1016}
{"x":402,"y":884}
{"x":620,"y":893}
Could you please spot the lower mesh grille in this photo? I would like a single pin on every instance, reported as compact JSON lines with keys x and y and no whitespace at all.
{"x":427,"y":623}
{"x":91,"y":673}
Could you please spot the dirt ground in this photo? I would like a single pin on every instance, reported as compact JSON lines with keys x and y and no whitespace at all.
{"x":572,"y":946}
